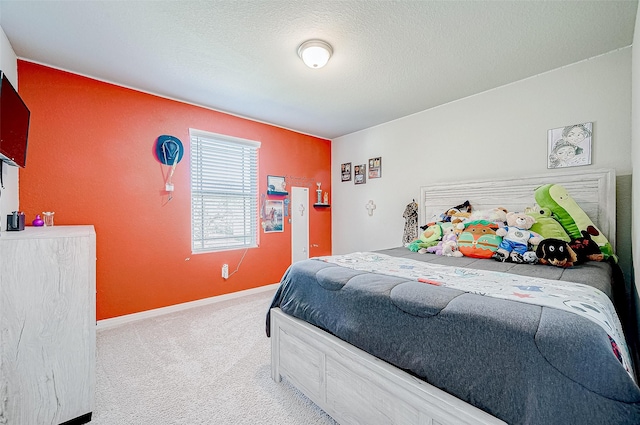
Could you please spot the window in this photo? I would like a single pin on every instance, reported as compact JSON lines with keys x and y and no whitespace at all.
{"x":224,"y":192}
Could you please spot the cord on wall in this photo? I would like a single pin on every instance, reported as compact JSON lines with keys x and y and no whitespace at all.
{"x":237,"y":268}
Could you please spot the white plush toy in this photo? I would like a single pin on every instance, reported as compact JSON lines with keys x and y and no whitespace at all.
{"x":450,"y":249}
{"x":497,"y":215}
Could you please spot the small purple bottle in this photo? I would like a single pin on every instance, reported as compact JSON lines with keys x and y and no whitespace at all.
{"x":38,"y":222}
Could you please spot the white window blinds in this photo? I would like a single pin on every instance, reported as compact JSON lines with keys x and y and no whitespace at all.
{"x":224,"y":192}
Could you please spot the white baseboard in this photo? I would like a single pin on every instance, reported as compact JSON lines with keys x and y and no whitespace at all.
{"x":128,"y":318}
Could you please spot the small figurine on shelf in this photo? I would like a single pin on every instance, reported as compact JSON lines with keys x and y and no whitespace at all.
{"x":326,"y":198}
{"x":38,"y":222}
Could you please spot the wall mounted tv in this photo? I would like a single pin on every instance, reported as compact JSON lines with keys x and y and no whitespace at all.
{"x":14,"y":125}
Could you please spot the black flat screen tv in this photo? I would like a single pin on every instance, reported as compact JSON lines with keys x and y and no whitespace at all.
{"x":14,"y":125}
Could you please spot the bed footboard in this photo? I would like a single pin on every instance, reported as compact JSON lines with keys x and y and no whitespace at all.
{"x":355,"y":387}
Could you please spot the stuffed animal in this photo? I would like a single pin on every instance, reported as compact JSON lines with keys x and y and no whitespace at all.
{"x":586,"y":249}
{"x":450,"y":249}
{"x":497,"y":215}
{"x":530,"y":257}
{"x":465,"y":207}
{"x":429,"y":237}
{"x":460,"y":216}
{"x":479,"y":239}
{"x":458,"y":226}
{"x":545,"y":225}
{"x":556,"y":252}
{"x":448,"y":245}
{"x":572,"y":218}
{"x":516,"y":238}
{"x":458,"y":219}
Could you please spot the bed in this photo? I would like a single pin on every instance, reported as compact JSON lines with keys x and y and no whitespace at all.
{"x":370,"y":347}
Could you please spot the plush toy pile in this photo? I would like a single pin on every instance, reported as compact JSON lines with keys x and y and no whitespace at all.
{"x":556,"y":232}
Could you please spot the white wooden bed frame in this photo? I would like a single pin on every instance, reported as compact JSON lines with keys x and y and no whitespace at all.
{"x":355,"y":387}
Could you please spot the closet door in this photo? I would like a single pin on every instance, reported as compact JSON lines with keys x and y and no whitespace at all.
{"x":299,"y":223}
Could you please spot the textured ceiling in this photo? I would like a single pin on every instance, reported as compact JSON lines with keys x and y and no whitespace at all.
{"x":391,"y":58}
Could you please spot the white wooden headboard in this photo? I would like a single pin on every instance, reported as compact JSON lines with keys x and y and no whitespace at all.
{"x":593,"y":190}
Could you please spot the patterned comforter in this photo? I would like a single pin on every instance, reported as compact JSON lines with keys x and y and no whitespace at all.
{"x":577,"y":298}
{"x":521,"y":348}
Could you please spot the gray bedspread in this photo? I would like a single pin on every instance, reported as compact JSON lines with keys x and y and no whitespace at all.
{"x":522,"y":363}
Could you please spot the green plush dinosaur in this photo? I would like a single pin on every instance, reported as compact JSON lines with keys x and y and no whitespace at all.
{"x":430,"y":237}
{"x":572,"y":218}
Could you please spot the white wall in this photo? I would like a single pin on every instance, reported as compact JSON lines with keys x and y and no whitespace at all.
{"x":8,"y":195}
{"x":498,"y":133}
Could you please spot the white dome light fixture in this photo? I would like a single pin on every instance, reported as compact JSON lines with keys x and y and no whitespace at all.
{"x":315,"y":53}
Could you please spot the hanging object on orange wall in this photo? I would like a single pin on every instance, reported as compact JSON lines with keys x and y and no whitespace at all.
{"x":169,"y":151}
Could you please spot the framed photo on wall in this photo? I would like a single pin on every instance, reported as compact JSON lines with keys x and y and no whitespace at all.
{"x":276,"y":185}
{"x":569,"y":146}
{"x":345,"y":172}
{"x":360,"y":174}
{"x":273,"y":216}
{"x":375,"y":167}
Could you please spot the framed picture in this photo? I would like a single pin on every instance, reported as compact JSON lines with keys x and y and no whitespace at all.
{"x":273,"y":216}
{"x":360,"y":174}
{"x":375,"y":168}
{"x":276,"y":185}
{"x":345,"y":172}
{"x":569,"y":146}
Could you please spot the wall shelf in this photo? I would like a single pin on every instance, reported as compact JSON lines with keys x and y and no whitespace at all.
{"x":322,"y":205}
{"x":273,"y":192}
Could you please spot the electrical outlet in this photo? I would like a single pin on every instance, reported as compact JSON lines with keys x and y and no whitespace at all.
{"x":225,"y":271}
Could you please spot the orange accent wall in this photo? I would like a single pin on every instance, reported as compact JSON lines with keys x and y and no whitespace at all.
{"x":91,"y":160}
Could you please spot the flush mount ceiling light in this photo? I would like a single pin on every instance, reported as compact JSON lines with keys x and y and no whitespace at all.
{"x":315,"y":53}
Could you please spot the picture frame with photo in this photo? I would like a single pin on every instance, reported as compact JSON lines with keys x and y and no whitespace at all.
{"x":273,"y":216}
{"x":360,"y":174}
{"x":569,"y":146}
{"x":345,"y":172}
{"x":375,"y":167}
{"x":276,"y":185}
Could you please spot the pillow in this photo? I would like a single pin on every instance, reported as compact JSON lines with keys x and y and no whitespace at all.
{"x":479,"y":239}
{"x":569,"y":214}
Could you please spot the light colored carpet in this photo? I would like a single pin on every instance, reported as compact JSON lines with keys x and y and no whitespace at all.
{"x":205,"y":365}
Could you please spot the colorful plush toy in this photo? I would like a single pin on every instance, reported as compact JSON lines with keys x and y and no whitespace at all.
{"x":516,"y":238}
{"x":556,"y":252}
{"x":479,"y":239}
{"x":448,"y":245}
{"x":429,"y":237}
{"x":545,"y":225}
{"x":572,"y":218}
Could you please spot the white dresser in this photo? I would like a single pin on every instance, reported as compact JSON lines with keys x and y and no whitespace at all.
{"x":47,"y":325}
